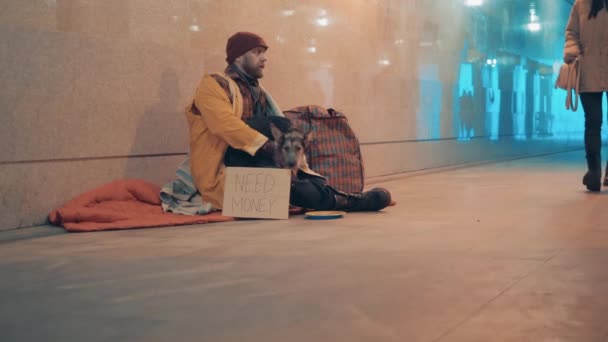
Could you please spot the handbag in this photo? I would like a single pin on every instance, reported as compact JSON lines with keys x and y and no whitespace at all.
{"x":569,"y":79}
{"x":335,"y":151}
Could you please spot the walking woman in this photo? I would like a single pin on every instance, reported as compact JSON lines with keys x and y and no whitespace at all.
{"x":587,"y":40}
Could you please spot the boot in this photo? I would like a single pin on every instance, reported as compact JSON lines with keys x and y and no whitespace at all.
{"x":593,"y":178}
{"x":372,"y":200}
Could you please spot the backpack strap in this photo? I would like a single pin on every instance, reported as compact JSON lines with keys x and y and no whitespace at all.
{"x":232,"y":87}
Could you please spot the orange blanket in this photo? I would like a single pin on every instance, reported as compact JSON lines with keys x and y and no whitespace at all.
{"x":122,"y":204}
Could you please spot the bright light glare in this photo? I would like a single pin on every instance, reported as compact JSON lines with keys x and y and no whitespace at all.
{"x":323,"y":21}
{"x":534,"y":27}
{"x":473,"y":3}
{"x":384,"y":61}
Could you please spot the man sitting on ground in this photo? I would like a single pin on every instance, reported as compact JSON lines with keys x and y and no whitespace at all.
{"x":215,"y":118}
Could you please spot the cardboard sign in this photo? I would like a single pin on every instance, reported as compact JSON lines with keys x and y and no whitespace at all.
{"x":257,"y":192}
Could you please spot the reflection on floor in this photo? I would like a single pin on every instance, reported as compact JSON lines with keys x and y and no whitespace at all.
{"x":514,"y":251}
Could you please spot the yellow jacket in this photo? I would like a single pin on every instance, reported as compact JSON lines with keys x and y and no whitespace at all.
{"x":215,"y":125}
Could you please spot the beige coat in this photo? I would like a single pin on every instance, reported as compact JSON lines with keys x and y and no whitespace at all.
{"x":588,"y":39}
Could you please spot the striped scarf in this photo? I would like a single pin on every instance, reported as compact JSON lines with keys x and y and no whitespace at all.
{"x":258,"y":104}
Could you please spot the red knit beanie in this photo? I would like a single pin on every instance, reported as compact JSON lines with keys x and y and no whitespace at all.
{"x":240,"y":43}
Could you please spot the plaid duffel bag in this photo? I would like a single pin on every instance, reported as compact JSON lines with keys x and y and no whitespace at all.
{"x":334,"y":151}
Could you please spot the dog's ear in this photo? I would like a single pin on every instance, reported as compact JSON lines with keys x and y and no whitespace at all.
{"x":308,"y":138}
{"x":276,"y":132}
{"x":283,"y":123}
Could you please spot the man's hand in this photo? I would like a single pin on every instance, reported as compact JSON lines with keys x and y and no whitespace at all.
{"x":267,"y":150}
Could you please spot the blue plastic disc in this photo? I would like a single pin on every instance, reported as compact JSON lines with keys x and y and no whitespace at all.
{"x":324,"y":215}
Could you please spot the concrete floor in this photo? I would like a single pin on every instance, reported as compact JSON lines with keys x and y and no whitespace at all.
{"x":514,"y":251}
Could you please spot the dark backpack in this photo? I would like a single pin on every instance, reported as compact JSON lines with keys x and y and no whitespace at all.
{"x":334,"y":151}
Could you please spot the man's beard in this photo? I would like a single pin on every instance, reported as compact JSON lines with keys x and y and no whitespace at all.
{"x":253,"y":71}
